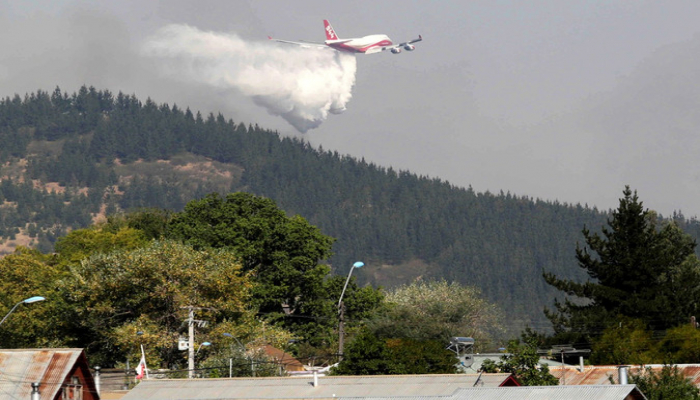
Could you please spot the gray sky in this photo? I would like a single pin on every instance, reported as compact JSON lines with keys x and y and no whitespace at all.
{"x":558,"y":100}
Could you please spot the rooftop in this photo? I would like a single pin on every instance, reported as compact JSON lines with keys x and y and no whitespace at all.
{"x":303,"y":387}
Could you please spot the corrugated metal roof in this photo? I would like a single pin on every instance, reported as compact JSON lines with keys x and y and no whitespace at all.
{"x":602,"y":374}
{"x":583,"y":392}
{"x":20,"y":367}
{"x":302,"y":387}
{"x":477,"y":360}
{"x":590,"y":392}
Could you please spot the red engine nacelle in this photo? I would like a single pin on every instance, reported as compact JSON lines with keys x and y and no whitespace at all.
{"x":409,"y":47}
{"x":396,"y":50}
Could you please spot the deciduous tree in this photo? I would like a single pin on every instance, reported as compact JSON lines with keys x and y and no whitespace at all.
{"x":368,"y":354}
{"x":628,"y":342}
{"x":83,"y":243}
{"x":437,"y":310}
{"x":25,"y":274}
{"x":680,"y":345}
{"x":283,"y":252}
{"x":667,"y":384}
{"x":522,"y":360}
{"x":146,"y":290}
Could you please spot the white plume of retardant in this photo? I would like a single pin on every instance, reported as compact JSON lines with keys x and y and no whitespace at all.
{"x":302,"y":85}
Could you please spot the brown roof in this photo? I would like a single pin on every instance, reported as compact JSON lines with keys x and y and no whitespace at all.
{"x":287,"y":360}
{"x":51,"y":368}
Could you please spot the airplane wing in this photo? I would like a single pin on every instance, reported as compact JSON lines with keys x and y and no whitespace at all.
{"x":299,"y":43}
{"x":408,"y":46}
{"x":420,"y":38}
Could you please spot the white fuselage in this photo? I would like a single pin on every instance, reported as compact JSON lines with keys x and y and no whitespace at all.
{"x":366,"y":44}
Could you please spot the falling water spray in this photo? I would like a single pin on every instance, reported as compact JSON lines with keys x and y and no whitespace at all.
{"x":301,"y":84}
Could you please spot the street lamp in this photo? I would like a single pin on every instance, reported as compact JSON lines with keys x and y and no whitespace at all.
{"x":341,"y":312}
{"x":25,"y":301}
{"x":228,"y":335}
{"x":356,"y":265}
{"x":243,"y":350}
{"x":200,"y":347}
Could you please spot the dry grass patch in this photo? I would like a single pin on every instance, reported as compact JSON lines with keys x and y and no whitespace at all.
{"x":184,"y":168}
{"x":392,"y":275}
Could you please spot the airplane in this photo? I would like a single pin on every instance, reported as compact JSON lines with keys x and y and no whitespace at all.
{"x":365,"y":45}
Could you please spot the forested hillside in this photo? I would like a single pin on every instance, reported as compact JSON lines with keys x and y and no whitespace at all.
{"x":66,"y":159}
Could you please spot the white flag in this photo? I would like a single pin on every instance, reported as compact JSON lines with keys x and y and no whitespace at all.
{"x":141,"y":368}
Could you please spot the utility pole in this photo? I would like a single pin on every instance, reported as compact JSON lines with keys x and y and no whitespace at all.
{"x":190,"y":347}
{"x":341,"y":331}
{"x":190,"y":343}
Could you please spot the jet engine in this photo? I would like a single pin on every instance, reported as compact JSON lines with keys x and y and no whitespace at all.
{"x":409,"y":47}
{"x":396,"y":50}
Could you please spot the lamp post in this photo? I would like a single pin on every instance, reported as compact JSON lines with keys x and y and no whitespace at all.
{"x":243,"y":349}
{"x":200,"y":348}
{"x":230,"y":354}
{"x":25,"y":301}
{"x":341,"y":312}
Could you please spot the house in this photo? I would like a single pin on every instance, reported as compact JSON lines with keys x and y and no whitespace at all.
{"x":608,"y":374}
{"x":61,"y":374}
{"x":471,"y":363}
{"x":604,"y":392}
{"x":392,"y":387}
{"x":284,"y":359}
{"x":326,"y":387}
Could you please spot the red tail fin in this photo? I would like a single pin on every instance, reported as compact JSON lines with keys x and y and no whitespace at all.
{"x":330,"y":33}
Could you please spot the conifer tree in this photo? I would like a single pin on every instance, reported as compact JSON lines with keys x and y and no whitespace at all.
{"x":637,"y":269}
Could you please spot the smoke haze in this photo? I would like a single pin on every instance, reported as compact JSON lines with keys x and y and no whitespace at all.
{"x":302,"y":85}
{"x":566,"y":101}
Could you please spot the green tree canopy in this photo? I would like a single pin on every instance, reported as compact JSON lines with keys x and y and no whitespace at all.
{"x":146,"y":290}
{"x":368,"y":354}
{"x":437,"y":310}
{"x":238,"y":347}
{"x":667,"y":384}
{"x":680,"y":345}
{"x":628,"y":342}
{"x":283,"y":252}
{"x":82,"y":243}
{"x":25,"y":274}
{"x":637,"y":269}
{"x":316,"y":321}
{"x":632,"y":342}
{"x":522,"y":360}
{"x":410,"y":331}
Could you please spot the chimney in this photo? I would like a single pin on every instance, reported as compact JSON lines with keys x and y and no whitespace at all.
{"x":315,"y":378}
{"x":622,"y":372}
{"x":580,"y":362}
{"x":35,"y":391}
{"x":97,"y":379}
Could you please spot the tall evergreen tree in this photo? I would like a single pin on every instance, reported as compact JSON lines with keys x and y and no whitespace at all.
{"x":637,"y":269}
